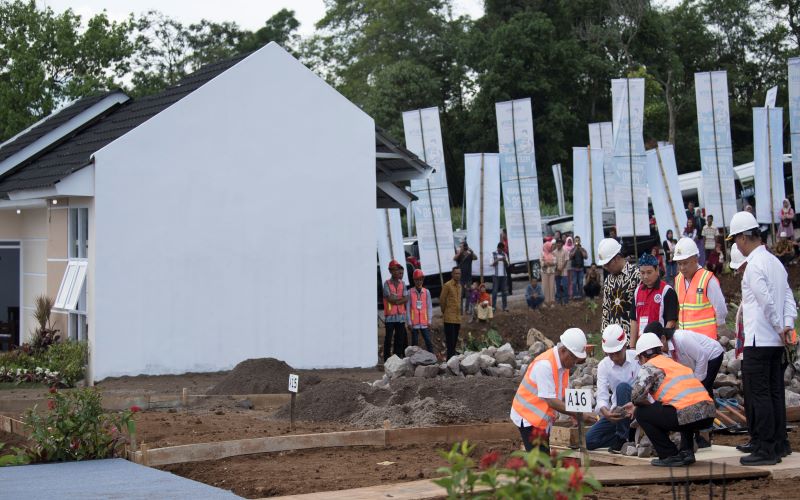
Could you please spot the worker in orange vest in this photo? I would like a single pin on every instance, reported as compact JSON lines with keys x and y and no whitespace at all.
{"x":681,"y":403}
{"x":420,"y":310}
{"x":542,"y":390}
{"x":395,"y":297}
{"x":701,"y":305}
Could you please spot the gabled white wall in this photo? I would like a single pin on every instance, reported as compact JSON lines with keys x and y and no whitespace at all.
{"x":238,"y":223}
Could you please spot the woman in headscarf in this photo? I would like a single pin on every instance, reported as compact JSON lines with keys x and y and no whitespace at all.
{"x":786,"y":215}
{"x":548,"y":273}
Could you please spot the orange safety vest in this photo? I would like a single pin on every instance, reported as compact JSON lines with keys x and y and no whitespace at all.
{"x":696,"y":313}
{"x":394,"y":309}
{"x":528,"y":404}
{"x":419,"y":316}
{"x":680,"y":388}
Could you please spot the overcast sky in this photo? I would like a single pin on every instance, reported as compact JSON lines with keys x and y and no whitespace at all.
{"x":249,"y":14}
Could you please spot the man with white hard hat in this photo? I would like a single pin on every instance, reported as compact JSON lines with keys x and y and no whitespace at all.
{"x":768,"y":312}
{"x":679,"y":403}
{"x":619,"y":285}
{"x":615,"y":376}
{"x":542,"y":390}
{"x":701,"y":305}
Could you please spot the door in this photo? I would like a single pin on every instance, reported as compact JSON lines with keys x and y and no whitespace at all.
{"x":9,"y":294}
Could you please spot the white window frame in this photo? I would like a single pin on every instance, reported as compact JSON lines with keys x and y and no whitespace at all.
{"x":72,"y":285}
{"x":77,"y":328}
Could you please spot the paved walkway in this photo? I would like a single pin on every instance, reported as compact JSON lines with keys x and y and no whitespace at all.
{"x":101,"y":479}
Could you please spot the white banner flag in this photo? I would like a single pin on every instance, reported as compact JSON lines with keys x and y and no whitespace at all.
{"x":772,"y":96}
{"x":519,"y":180}
{"x":390,"y":241}
{"x":630,"y":193}
{"x":716,"y":154}
{"x":482,"y":182}
{"x":432,"y":209}
{"x":601,"y":136}
{"x":665,"y":191}
{"x":587,"y":197}
{"x":559,"y":180}
{"x":794,"y":124}
{"x":768,"y":160}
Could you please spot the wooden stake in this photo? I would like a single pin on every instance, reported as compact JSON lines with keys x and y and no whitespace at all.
{"x":291,"y":412}
{"x":144,"y":449}
{"x":185,"y":397}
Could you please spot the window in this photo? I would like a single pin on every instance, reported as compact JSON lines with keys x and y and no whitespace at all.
{"x":72,"y":293}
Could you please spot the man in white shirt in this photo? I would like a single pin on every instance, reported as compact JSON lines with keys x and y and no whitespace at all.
{"x":616,"y":374}
{"x":768,"y":312}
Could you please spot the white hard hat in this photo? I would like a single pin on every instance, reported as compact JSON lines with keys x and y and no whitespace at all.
{"x":646,"y":342}
{"x":575,"y":341}
{"x":737,"y":257}
{"x":685,"y":248}
{"x":607,"y":250}
{"x":741,"y":222}
{"x":613,"y":339}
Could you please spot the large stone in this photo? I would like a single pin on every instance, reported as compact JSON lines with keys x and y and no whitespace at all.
{"x":729,"y":355}
{"x":584,"y":381}
{"x":485,"y":361}
{"x":422,"y":358}
{"x":505,"y":354}
{"x":724,"y":341}
{"x":644,"y":451}
{"x":535,"y":335}
{"x":792,"y":399}
{"x":734,"y":366}
{"x":470,"y":365}
{"x":426,"y":371}
{"x":629,"y":449}
{"x":396,"y":367}
{"x":788,"y":374}
{"x":442,"y":368}
{"x":382,"y":383}
{"x":727,"y":392}
{"x":725,"y":381}
{"x":452,"y":365}
{"x":411,"y":350}
{"x":504,"y":370}
{"x":537,"y":348}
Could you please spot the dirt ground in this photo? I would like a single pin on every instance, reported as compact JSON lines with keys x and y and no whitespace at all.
{"x":308,"y":471}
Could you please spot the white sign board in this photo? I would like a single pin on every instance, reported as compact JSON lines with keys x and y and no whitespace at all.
{"x":432,"y":210}
{"x":578,"y":400}
{"x":559,"y":180}
{"x":768,"y":160}
{"x":587,"y":197}
{"x":294,"y":382}
{"x":794,"y":123}
{"x":390,"y":241}
{"x":630,"y":193}
{"x":519,"y":179}
{"x":601,"y":136}
{"x":772,"y":96}
{"x":482,"y":185}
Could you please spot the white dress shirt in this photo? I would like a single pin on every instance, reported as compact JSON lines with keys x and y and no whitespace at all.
{"x":610,"y":375}
{"x":694,"y":350}
{"x":542,"y":375}
{"x":714,"y":294}
{"x":767,"y":302}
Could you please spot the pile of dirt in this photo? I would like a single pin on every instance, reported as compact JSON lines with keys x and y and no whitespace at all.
{"x":408,"y":402}
{"x":260,"y":376}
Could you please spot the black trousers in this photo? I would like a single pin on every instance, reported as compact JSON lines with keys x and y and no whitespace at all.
{"x":762,"y":378}
{"x":711,"y":374}
{"x":397,"y":331}
{"x":525,"y":434}
{"x":659,"y":420}
{"x":451,"y":338}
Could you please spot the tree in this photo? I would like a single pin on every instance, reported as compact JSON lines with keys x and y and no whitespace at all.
{"x":48,"y":58}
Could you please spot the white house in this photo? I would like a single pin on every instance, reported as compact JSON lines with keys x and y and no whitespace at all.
{"x":228,"y":217}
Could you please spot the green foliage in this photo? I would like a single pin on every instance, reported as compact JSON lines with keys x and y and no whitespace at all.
{"x":18,"y":456}
{"x":524,"y":475}
{"x":68,"y":359}
{"x":45,"y":335}
{"x":477,"y":344}
{"x":74,"y":427}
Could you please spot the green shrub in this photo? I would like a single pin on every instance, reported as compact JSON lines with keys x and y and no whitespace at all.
{"x":68,"y":359}
{"x":17,"y":359}
{"x":74,"y":427}
{"x":18,"y":456}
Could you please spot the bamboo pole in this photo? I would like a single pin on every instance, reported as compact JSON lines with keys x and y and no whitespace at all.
{"x":771,"y":192}
{"x":591,"y":201}
{"x":389,"y":234}
{"x":716,"y":156}
{"x":630,"y":168}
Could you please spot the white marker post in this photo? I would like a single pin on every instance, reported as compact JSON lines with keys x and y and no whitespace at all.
{"x":580,"y":401}
{"x":294,"y":383}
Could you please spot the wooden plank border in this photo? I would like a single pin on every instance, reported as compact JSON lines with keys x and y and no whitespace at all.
{"x":13,"y":426}
{"x":378,"y":437}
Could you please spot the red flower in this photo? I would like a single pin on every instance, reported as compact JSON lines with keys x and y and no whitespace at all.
{"x":576,"y":479}
{"x":515,"y":463}
{"x":561,"y":496}
{"x":74,"y":444}
{"x":538,"y":435}
{"x":489,"y":459}
{"x":135,"y":409}
{"x":51,"y":405}
{"x":53,"y":390}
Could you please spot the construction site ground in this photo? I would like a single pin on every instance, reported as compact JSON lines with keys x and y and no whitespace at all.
{"x":339,"y":399}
